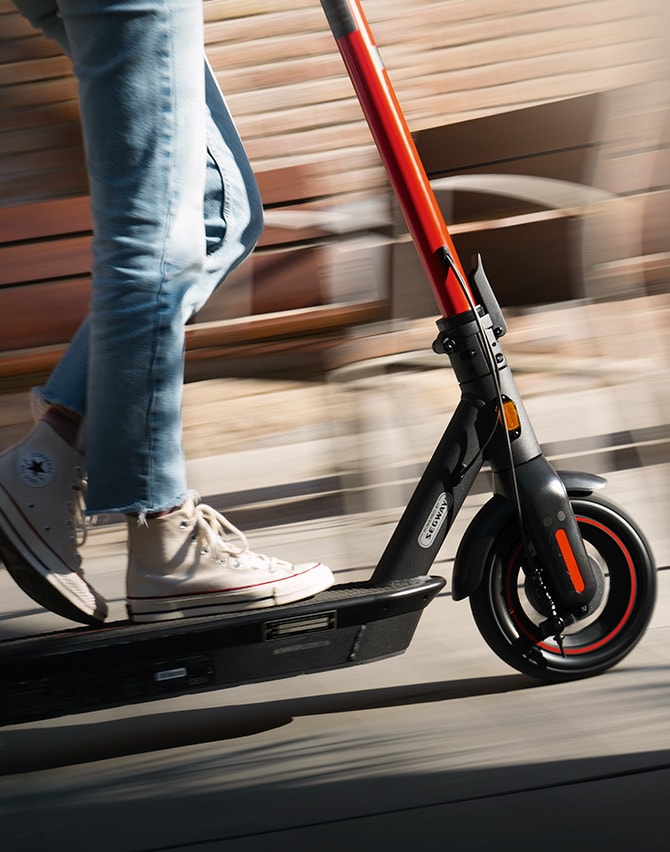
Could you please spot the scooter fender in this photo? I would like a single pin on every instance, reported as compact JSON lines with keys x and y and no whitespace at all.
{"x":489,"y":522}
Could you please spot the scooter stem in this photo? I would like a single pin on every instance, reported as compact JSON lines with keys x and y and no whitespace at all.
{"x":398,"y":153}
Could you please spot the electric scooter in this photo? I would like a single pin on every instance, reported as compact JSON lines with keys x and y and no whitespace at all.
{"x":561,"y":581}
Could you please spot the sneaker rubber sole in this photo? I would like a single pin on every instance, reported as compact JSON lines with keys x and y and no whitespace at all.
{"x":286,"y":590}
{"x":67,"y":595}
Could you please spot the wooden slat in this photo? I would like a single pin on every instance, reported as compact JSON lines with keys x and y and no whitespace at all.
{"x":26,"y":141}
{"x":43,"y":315}
{"x":29,"y":71}
{"x":244,"y":339}
{"x":30,"y":47}
{"x":50,"y":116}
{"x":39,"y":261}
{"x":30,"y":186}
{"x":47,"y":219}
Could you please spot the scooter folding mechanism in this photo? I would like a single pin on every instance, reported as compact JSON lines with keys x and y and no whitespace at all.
{"x":561,"y":581}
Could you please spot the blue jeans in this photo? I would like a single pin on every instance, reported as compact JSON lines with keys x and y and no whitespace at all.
{"x":175,"y":207}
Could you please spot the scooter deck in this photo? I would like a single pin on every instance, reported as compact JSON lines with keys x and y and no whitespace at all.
{"x":85,"y":669}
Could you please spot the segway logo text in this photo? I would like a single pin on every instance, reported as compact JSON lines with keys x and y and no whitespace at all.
{"x":438,"y":515}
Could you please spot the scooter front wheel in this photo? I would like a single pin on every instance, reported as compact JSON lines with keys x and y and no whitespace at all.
{"x":508,"y":612}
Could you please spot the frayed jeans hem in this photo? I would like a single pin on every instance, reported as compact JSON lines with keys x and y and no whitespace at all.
{"x":141,"y":509}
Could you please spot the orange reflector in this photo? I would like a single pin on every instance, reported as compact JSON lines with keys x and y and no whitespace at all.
{"x":570,"y":561}
{"x":511,"y":416}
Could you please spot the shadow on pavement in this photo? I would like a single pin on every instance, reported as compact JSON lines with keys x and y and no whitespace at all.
{"x":31,"y":748}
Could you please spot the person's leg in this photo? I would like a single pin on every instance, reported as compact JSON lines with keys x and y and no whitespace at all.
{"x":43,"y":15}
{"x":144,"y":123}
{"x":233,"y":219}
{"x":155,"y":266}
{"x":232,"y":213}
{"x":42,"y":479}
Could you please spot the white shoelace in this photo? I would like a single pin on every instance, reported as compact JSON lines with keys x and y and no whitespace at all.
{"x":215,"y":531}
{"x":214,"y":536}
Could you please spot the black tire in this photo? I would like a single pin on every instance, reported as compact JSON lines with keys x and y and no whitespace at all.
{"x":507,"y":619}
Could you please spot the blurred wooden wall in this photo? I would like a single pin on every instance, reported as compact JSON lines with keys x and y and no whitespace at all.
{"x":464,"y":71}
{"x":450,"y":60}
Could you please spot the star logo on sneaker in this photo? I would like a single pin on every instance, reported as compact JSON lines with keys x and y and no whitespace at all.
{"x":36,"y":469}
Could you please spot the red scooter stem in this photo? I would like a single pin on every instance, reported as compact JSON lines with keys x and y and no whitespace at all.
{"x":396,"y":148}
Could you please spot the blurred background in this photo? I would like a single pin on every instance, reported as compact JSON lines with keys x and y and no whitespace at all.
{"x":313,"y":400}
{"x":545,"y":126}
{"x":545,"y":129}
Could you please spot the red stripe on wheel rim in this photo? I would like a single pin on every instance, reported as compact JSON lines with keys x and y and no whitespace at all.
{"x":616,"y":629}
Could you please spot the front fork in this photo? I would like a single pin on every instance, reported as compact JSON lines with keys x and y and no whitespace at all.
{"x":491,"y":425}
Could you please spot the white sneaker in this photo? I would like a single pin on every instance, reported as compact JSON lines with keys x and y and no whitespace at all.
{"x":185,"y":564}
{"x":42,"y":524}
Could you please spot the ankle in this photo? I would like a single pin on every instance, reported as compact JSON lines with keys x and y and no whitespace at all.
{"x":65,"y":423}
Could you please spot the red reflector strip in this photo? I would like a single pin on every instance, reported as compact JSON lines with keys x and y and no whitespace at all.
{"x":570,"y":561}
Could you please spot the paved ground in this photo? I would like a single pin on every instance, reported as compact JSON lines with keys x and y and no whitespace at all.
{"x":444,"y":746}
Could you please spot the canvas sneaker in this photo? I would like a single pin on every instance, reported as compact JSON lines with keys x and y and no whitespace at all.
{"x":195,"y":562}
{"x":42,"y":524}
